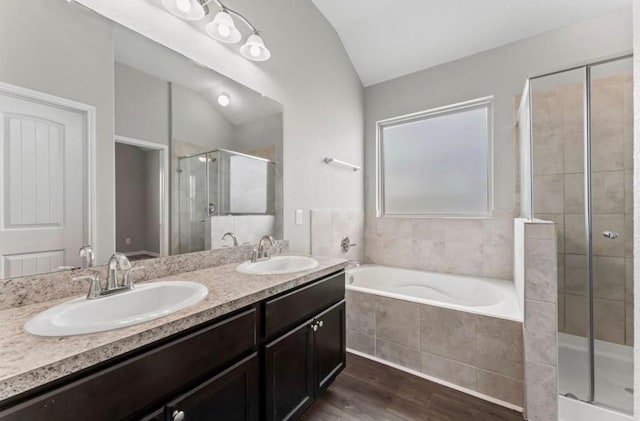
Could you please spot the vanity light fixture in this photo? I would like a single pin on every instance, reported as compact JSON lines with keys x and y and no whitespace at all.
{"x":222,"y":28}
{"x":224,"y":100}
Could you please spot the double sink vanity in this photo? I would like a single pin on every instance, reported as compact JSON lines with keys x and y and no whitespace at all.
{"x":241,"y":341}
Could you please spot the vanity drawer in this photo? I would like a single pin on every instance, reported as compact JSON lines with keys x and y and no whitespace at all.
{"x":125,"y":389}
{"x":291,"y":308}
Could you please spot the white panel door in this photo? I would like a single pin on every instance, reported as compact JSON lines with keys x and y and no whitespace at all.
{"x":42,"y":186}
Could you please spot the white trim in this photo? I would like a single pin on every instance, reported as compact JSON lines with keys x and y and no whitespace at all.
{"x":89,"y":114}
{"x":164,"y":185}
{"x":487,"y":101}
{"x":439,"y":381}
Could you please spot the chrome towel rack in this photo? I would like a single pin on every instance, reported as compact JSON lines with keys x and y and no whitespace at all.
{"x":354,"y":168}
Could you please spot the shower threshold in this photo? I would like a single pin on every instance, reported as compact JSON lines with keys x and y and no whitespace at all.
{"x":613,"y":378}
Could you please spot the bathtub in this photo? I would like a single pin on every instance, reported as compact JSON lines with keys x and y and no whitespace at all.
{"x":490,"y":297}
{"x":463,"y":332}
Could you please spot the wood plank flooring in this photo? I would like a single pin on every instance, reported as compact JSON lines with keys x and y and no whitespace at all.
{"x":370,"y":391}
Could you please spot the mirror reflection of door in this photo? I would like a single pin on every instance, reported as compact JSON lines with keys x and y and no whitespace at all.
{"x":42,"y":171}
{"x":139,"y":199}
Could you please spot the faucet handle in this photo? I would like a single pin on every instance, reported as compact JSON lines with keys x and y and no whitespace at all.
{"x":95,"y":289}
{"x":128,"y":283}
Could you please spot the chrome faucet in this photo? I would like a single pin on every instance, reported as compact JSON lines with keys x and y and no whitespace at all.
{"x":117,"y":261}
{"x":261,"y":253}
{"x":86,"y":252}
{"x":233,"y":237}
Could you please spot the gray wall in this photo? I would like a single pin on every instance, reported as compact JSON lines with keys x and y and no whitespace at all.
{"x":309,"y":73}
{"x":152,"y":179}
{"x":131,"y":198}
{"x":500,"y":72}
{"x":141,"y":105}
{"x":77,"y":64}
{"x":636,"y":198}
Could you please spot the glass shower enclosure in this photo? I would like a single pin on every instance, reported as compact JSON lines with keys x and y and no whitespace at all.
{"x":220,"y":183}
{"x":579,"y":176}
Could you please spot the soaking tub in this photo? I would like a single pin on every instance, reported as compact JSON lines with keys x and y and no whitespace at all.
{"x":491,"y":297}
{"x":461,"y":331}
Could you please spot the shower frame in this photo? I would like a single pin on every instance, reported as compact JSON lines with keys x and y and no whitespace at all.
{"x":586,"y":89}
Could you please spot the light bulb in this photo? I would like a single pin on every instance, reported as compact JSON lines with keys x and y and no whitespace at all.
{"x":254,"y":51}
{"x":223,"y":100}
{"x":183,"y":5}
{"x":224,"y":30}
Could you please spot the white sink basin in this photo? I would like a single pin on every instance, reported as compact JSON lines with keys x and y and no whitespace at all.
{"x":146,"y":302}
{"x":278,"y":265}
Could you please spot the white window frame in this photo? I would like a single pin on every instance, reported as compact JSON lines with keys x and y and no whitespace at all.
{"x":485,"y":102}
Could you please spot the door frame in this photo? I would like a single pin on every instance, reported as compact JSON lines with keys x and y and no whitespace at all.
{"x":164,"y":184}
{"x":88,"y":113}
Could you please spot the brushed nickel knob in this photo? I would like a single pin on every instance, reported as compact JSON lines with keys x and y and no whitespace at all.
{"x":320,"y":323}
{"x":177,"y":416}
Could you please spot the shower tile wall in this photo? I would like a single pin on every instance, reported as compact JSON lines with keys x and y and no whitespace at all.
{"x":558,"y":181}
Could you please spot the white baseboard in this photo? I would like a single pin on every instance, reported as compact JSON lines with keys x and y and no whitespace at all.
{"x":439,"y":381}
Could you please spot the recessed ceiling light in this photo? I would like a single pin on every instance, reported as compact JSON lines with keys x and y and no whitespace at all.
{"x":224,"y":100}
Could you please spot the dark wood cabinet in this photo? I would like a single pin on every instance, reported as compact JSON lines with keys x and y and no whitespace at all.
{"x":329,"y":346}
{"x":268,"y":361}
{"x":232,"y":395}
{"x":302,"y":363}
{"x":289,"y":371}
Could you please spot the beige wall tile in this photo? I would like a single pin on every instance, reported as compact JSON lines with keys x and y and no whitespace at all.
{"x":574,"y":151}
{"x":464,"y":257}
{"x":430,"y":254}
{"x":448,"y":333}
{"x":361,"y":342}
{"x":374,"y":250}
{"x":574,"y":234}
{"x":548,"y":194}
{"x":361,"y":312}
{"x":628,"y":234}
{"x":398,"y":354}
{"x":574,"y":193}
{"x":607,"y":192}
{"x":558,"y":220}
{"x":499,"y":387}
{"x":449,"y":370}
{"x":608,"y":277}
{"x":546,"y":109}
{"x":628,"y":191}
{"x":628,"y":312}
{"x":561,"y":273}
{"x":541,"y":325}
{"x":499,"y":346}
{"x":541,"y":390}
{"x":609,"y":320}
{"x":627,"y":133}
{"x":607,"y":148}
{"x":603,"y":246}
{"x":398,"y":321}
{"x":398,"y":251}
{"x":540,"y":270}
{"x":575,"y":278}
{"x":576,"y":315}
{"x":628,"y":276}
{"x":548,"y":154}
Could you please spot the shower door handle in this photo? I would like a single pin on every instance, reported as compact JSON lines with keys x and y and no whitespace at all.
{"x":611,"y":235}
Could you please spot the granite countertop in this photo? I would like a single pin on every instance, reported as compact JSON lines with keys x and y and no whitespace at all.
{"x":28,"y":361}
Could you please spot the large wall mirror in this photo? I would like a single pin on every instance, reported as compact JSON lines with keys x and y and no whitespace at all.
{"x":113,"y":140}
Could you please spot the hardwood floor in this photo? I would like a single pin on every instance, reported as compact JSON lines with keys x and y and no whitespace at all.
{"x":370,"y":391}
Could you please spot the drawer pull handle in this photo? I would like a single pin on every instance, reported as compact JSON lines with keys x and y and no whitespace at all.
{"x":314,"y":326}
{"x":177,"y":416}
{"x":320,"y":323}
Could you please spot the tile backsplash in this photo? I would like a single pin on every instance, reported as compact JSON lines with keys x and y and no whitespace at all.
{"x":477,"y":247}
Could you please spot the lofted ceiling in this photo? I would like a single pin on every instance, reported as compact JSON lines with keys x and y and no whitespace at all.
{"x":386,"y":39}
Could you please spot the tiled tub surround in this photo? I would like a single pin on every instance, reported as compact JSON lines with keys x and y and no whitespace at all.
{"x":30,"y":361}
{"x":247,"y":228}
{"x":476,"y":353}
{"x":329,"y":227}
{"x":477,"y":247}
{"x":558,"y":178}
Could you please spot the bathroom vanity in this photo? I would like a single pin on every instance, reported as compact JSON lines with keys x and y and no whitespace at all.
{"x":274,"y":349}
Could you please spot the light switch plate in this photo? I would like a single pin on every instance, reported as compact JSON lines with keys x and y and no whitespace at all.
{"x":299,"y":217}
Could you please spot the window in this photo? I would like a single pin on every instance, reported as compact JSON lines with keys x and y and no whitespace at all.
{"x":437,"y":162}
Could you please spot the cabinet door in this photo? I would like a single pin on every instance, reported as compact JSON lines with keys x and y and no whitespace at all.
{"x":289,"y":386}
{"x":330,"y":346}
{"x":232,"y":395}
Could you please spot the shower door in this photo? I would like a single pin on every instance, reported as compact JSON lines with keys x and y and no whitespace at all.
{"x":197,"y":185}
{"x":582,"y":180}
